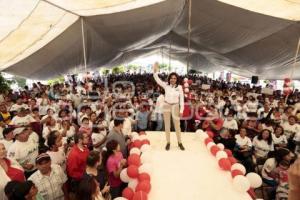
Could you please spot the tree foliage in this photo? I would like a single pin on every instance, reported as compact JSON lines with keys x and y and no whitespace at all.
{"x":4,"y":84}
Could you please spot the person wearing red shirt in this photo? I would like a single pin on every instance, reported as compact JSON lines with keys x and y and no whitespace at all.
{"x":76,"y":161}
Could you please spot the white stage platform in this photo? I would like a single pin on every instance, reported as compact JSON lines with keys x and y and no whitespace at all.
{"x":192,"y":174}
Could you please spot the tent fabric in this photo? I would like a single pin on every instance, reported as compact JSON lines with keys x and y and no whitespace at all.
{"x":223,"y":36}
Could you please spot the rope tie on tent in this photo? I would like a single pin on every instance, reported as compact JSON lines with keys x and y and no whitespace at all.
{"x":83,"y":43}
{"x":295,"y":59}
{"x":170,"y":47}
{"x":189,"y":35}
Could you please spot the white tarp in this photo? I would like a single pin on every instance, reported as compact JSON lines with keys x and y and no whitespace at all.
{"x":42,"y":39}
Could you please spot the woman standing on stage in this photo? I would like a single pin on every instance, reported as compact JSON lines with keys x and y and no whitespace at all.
{"x":173,"y":105}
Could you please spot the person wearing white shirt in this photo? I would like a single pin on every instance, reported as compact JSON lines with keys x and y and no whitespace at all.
{"x":24,"y":151}
{"x":252,"y":105}
{"x":279,"y":139}
{"x":22,"y":119}
{"x":8,"y":137}
{"x":263,"y":144}
{"x":159,"y":112}
{"x":243,"y":149}
{"x":56,"y":150}
{"x":50,"y":179}
{"x":230,"y":123}
{"x":290,"y":127}
{"x":173,"y":105}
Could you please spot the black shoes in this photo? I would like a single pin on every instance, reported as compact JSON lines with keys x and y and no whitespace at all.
{"x":181,"y":146}
{"x":168,"y":146}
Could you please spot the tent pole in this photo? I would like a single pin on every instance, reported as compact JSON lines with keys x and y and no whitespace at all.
{"x":170,"y":47}
{"x":295,"y":59}
{"x":189,"y":35}
{"x":83,"y":43}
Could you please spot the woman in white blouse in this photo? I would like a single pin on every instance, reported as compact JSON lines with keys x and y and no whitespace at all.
{"x":263,"y":144}
{"x":173,"y":104}
{"x":243,"y":149}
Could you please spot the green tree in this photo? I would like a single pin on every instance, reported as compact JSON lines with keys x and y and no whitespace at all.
{"x":4,"y":84}
{"x":118,"y":69}
{"x":104,"y":71}
{"x":59,"y":79}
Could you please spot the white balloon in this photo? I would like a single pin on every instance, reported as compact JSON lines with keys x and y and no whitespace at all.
{"x":221,"y":154}
{"x":254,"y":179}
{"x":186,"y":85}
{"x":145,"y":148}
{"x":132,"y":184}
{"x":238,"y":166}
{"x":202,"y":135}
{"x":137,"y":137}
{"x":124,"y":177}
{"x":210,"y":144}
{"x":143,"y":137}
{"x":241,"y":183}
{"x":120,"y":198}
{"x":135,"y":151}
{"x":221,"y":146}
{"x":186,"y":90}
{"x":185,"y":80}
{"x":133,"y":134}
{"x":146,"y":157}
{"x":146,"y":168}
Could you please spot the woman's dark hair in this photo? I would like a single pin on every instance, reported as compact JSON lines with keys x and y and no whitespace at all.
{"x":280,"y":154}
{"x":259,"y":137}
{"x":110,"y":147}
{"x":118,"y":121}
{"x":86,"y":189}
{"x":15,"y":190}
{"x":278,"y":126}
{"x":51,"y":139}
{"x":77,"y":137}
{"x":177,"y":77}
{"x":7,"y":131}
{"x":93,"y":158}
{"x":84,"y":119}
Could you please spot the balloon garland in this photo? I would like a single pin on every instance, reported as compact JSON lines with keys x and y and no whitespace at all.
{"x":137,"y":174}
{"x":227,"y":162}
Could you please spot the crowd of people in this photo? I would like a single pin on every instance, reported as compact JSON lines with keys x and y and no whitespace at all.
{"x":70,"y":140}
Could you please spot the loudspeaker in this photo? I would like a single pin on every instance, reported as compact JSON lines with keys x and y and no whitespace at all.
{"x":254,"y":79}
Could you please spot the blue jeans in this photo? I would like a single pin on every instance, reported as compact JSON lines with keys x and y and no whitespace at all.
{"x":159,"y":121}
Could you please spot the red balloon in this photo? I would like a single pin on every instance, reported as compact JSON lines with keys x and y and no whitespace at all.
{"x":137,"y":144}
{"x":208,"y":140}
{"x":190,"y":82}
{"x":140,"y":196}
{"x":210,"y":134}
{"x":225,"y":164}
{"x":214,"y":150}
{"x":145,"y":141}
{"x":229,"y":153}
{"x":133,"y":171}
{"x":252,"y":193}
{"x":236,"y":172}
{"x":127,"y":193}
{"x":130,"y":146}
{"x":134,"y":159}
{"x":232,"y":160}
{"x":144,"y":186}
{"x":144,"y":177}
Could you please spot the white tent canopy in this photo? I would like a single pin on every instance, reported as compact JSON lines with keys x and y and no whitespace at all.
{"x":47,"y":38}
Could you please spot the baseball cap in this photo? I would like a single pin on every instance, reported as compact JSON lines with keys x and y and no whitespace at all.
{"x":17,"y":131}
{"x":42,"y":157}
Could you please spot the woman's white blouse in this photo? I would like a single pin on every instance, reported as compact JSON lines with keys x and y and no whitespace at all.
{"x":173,"y":95}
